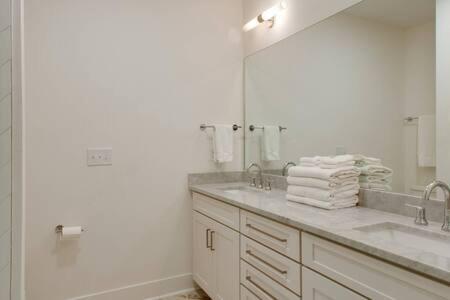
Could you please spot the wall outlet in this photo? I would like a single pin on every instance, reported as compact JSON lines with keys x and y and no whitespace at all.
{"x":99,"y":156}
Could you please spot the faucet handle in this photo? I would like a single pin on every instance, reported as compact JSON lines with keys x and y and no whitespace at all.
{"x":252,"y":181}
{"x":268,"y":185}
{"x":421,"y":218}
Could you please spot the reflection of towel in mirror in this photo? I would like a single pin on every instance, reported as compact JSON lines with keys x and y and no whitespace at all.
{"x":270,"y":143}
{"x":223,"y":143}
{"x":341,"y":203}
{"x":362,"y":161}
{"x":426,"y":141}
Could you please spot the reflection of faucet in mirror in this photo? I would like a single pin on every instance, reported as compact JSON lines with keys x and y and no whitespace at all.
{"x":253,"y":179}
{"x":446,"y":189}
{"x":286,"y":167}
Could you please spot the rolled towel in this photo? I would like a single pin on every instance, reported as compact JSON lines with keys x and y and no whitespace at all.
{"x":323,"y":195}
{"x":344,"y":203}
{"x":326,"y":174}
{"x":321,"y":183}
{"x":376,"y":170}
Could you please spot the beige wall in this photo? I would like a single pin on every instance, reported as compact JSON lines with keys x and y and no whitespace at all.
{"x":299,"y":15}
{"x":138,"y":76}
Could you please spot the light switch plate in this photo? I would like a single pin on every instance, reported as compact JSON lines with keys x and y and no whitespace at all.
{"x":99,"y":156}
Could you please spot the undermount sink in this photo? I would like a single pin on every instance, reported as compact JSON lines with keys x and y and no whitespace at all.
{"x":241,"y":189}
{"x":427,"y":241}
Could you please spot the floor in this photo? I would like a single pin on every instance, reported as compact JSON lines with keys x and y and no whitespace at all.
{"x":195,"y":295}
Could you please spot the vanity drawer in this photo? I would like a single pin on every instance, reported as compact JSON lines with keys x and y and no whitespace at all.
{"x":279,"y":237}
{"x":278,"y":267}
{"x":366,"y":275}
{"x":262,"y":286}
{"x":221,"y":212}
{"x":247,"y":295}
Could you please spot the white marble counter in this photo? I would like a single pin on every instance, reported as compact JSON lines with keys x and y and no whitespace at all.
{"x":338,"y":226}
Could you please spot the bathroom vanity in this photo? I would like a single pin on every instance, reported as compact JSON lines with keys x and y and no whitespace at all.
{"x":251,"y":244}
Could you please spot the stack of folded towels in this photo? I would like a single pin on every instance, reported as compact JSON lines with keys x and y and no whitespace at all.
{"x":325,"y":182}
{"x":373,"y":174}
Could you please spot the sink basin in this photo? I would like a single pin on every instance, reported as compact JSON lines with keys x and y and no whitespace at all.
{"x":427,"y":241}
{"x":240,"y":189}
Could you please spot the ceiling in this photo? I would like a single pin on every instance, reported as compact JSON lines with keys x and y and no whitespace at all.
{"x":403,"y":13}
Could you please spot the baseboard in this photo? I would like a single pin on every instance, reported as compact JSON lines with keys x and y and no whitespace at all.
{"x":147,"y":290}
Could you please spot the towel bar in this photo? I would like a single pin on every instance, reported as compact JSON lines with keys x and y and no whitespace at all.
{"x":253,"y":127}
{"x":204,"y":126}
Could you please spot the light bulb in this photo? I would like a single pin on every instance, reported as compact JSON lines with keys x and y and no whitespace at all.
{"x":251,"y":24}
{"x":273,"y":11}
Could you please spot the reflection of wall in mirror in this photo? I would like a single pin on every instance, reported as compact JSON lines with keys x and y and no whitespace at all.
{"x":339,"y":84}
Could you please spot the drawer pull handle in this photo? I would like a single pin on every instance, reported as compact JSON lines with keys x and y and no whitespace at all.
{"x":249,"y":279}
{"x":212,"y":241}
{"x":266,"y":233}
{"x":207,"y":238}
{"x":265,"y":262}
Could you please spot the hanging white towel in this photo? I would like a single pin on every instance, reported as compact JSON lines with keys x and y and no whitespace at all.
{"x":270,"y":147}
{"x":426,"y":141}
{"x":223,"y":143}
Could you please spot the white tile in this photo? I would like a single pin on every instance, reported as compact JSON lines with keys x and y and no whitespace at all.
{"x":5,"y":113}
{"x":5,"y":283}
{"x":5,"y":249}
{"x":5,"y":181}
{"x":5,"y":45}
{"x":5,"y":215}
{"x":5,"y":147}
{"x":5,"y":14}
{"x":5,"y":79}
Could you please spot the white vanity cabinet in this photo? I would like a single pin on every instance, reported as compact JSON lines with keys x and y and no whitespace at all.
{"x":216,"y":257}
{"x":242,"y":255}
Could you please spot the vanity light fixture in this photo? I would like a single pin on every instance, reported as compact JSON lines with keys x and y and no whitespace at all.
{"x":267,"y":16}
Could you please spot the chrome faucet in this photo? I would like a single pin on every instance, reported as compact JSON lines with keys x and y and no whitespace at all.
{"x":286,"y":167}
{"x":253,"y":179}
{"x":446,"y":189}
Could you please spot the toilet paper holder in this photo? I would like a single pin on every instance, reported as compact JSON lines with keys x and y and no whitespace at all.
{"x":59,"y":229}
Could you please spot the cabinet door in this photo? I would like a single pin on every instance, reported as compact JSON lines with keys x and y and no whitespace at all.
{"x":203,"y":256}
{"x":225,"y":249}
{"x":317,"y":287}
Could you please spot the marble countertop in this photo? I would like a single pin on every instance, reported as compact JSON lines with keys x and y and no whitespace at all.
{"x":339,"y":226}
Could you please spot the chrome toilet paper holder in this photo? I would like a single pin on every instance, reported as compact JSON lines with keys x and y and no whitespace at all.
{"x":59,"y":229}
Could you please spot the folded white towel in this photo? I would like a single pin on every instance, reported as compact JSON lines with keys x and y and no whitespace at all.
{"x":376,"y":178}
{"x":326,"y":174}
{"x":337,"y":166}
{"x":426,"y":141}
{"x":310,"y":161}
{"x":323,"y":195}
{"x":376,"y":169}
{"x":321,"y":183}
{"x":223,"y":143}
{"x":362,"y":160}
{"x":339,"y":159}
{"x":344,"y":203}
{"x":270,"y":148}
{"x":376,"y":186}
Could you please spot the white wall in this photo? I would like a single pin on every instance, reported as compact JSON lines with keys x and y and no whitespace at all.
{"x":5,"y":149}
{"x":299,"y":15}
{"x":442,"y":90}
{"x":139,"y":76}
{"x":336,"y":84}
{"x":419,"y":97}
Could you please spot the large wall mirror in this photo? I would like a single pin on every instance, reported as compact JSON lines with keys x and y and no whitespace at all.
{"x":360,"y":82}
